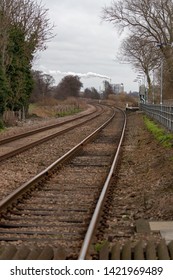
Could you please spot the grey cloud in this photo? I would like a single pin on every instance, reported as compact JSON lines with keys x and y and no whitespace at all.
{"x":83,"y":45}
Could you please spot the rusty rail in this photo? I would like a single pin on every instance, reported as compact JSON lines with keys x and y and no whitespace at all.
{"x":42,"y":140}
{"x":96,"y":215}
{"x":11,"y":198}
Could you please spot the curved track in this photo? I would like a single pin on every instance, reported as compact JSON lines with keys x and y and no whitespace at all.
{"x":55,"y":207}
{"x":19,"y":143}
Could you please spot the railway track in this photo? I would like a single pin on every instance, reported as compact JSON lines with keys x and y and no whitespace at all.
{"x":56,"y":206}
{"x":19,"y":143}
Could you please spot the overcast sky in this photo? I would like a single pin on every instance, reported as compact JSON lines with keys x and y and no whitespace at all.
{"x":84,"y":45}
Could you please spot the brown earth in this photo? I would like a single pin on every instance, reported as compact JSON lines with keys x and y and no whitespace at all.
{"x":148,"y":167}
{"x":143,"y":186}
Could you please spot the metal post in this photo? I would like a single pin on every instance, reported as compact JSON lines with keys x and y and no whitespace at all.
{"x":161,"y":83}
{"x":153,"y":86}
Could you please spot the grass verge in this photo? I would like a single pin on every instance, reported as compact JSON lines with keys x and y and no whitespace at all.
{"x":68,"y":112}
{"x":165,"y":138}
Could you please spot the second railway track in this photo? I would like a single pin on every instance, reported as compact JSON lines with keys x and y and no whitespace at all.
{"x":56,"y":209}
{"x":19,"y":143}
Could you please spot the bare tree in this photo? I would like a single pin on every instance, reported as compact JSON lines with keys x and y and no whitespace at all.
{"x":108,"y":89}
{"x":43,"y":84}
{"x":142,"y":54}
{"x":91,"y":93}
{"x":149,"y":20}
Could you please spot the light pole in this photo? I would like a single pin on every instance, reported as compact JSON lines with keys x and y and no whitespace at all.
{"x":153,"y":89}
{"x":161,"y":82}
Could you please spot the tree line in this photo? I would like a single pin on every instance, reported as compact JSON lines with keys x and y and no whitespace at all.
{"x":69,"y":86}
{"x":149,"y":43}
{"x":24,"y":30}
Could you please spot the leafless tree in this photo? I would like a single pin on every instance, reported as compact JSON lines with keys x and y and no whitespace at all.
{"x":149,"y":20}
{"x":142,"y":54}
{"x":43,"y":84}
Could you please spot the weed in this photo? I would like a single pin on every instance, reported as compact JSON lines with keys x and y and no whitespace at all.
{"x":165,"y":138}
{"x":99,"y":246}
{"x":68,"y":112}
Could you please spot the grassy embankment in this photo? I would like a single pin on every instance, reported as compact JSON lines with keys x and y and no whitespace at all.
{"x":160,"y":134}
{"x":52,"y":108}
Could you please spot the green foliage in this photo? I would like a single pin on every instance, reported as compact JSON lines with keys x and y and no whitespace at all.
{"x":68,"y":112}
{"x":99,"y":246}
{"x":15,"y":76}
{"x":4,"y":89}
{"x":159,"y":133}
{"x":18,"y":71}
{"x":2,"y":95}
{"x":171,"y":158}
{"x":24,"y":29}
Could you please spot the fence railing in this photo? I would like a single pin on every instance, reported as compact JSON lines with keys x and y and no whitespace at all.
{"x":161,"y":113}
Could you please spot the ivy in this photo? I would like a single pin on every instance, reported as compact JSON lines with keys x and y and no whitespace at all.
{"x":4,"y":89}
{"x":18,"y":71}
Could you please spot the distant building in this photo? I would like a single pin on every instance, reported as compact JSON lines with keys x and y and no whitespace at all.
{"x":118,"y":88}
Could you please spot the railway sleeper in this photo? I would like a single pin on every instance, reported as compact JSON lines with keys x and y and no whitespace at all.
{"x":22,"y":252}
{"x":139,"y":251}
{"x":117,"y":251}
{"x":37,"y":225}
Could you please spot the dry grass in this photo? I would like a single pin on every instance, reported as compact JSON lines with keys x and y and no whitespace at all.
{"x":51,"y":107}
{"x":120,"y":100}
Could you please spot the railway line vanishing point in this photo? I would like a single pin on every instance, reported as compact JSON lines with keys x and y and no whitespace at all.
{"x":55,"y":207}
{"x":54,"y":216}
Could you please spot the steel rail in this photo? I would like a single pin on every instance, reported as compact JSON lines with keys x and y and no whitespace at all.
{"x":46,"y":138}
{"x":96,"y":215}
{"x":14,"y":196}
{"x":41,"y":129}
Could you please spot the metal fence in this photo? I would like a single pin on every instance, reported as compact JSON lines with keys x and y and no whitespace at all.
{"x":161,"y":113}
